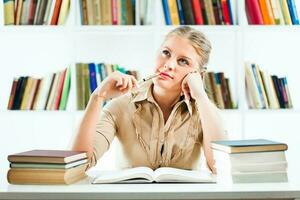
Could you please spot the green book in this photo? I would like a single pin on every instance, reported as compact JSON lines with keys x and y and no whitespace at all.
{"x":66,"y":90}
{"x":243,"y":146}
{"x":48,"y":165}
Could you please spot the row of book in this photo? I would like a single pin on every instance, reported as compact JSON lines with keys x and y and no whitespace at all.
{"x":90,"y":75}
{"x":47,"y":93}
{"x":115,"y":12}
{"x":264,"y":90}
{"x":36,"y":12}
{"x":47,"y":167}
{"x":219,"y":90}
{"x":271,"y":12}
{"x":198,"y":12}
{"x":250,"y":161}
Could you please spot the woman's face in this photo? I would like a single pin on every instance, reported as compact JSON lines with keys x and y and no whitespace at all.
{"x":176,"y":58}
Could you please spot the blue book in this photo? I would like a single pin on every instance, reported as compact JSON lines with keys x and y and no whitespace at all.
{"x":92,"y":73}
{"x":81,"y":12}
{"x":230,"y":12}
{"x":180,"y":12}
{"x":166,"y":12}
{"x":103,"y":71}
{"x":100,"y":71}
{"x":258,"y":86}
{"x":293,"y":12}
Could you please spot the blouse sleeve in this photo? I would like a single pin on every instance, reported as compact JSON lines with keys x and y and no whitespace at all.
{"x":106,"y":129}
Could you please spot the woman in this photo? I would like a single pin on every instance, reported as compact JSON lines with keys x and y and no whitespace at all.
{"x":164,"y":122}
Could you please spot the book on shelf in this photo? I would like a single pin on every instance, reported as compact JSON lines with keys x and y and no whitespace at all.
{"x":198,"y":12}
{"x":147,"y":175}
{"x":47,"y":167}
{"x":219,"y":90}
{"x":250,"y":161}
{"x":48,"y":93}
{"x":272,"y":12}
{"x":265,"y":91}
{"x":90,"y":75}
{"x":115,"y":12}
{"x":36,"y":12}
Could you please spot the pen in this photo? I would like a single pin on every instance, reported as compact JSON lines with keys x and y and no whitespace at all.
{"x":148,"y":78}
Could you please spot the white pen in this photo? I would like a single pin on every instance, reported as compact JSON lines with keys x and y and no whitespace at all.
{"x":148,"y":78}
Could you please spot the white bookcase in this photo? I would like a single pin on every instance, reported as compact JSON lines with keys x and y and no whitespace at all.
{"x":39,"y":50}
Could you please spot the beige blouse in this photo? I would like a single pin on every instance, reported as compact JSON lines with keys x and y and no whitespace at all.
{"x":146,"y":140}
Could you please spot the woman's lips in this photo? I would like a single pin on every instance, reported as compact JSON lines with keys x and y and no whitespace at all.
{"x":165,"y":75}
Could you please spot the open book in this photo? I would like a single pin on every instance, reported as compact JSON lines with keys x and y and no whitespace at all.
{"x":147,"y":175}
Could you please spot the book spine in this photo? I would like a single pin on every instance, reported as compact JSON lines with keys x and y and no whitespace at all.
{"x":115,"y":12}
{"x":166,"y":12}
{"x":229,"y":5}
{"x":173,"y":12}
{"x":66,"y":90}
{"x":293,"y":12}
{"x":64,"y":11}
{"x":9,"y":12}
{"x":56,"y":11}
{"x":36,"y":94}
{"x":180,"y":12}
{"x":225,"y":12}
{"x":12,"y":94}
{"x":18,"y":12}
{"x":60,"y":89}
{"x":188,"y":12}
{"x":197,"y":12}
{"x":92,"y":74}
{"x":32,"y":11}
{"x":267,"y":12}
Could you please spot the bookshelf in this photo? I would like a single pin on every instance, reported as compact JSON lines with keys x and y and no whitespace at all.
{"x":38,"y":50}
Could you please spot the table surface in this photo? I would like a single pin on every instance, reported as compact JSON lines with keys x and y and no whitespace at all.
{"x":85,"y":190}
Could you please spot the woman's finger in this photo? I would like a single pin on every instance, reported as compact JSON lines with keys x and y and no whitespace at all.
{"x":125,"y":83}
{"x":119,"y":81}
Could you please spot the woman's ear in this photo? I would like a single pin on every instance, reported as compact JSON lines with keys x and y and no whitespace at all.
{"x":202,"y":75}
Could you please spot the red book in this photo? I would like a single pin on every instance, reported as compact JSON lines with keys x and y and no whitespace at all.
{"x":225,"y":11}
{"x":32,"y":11}
{"x":114,"y":5}
{"x":197,"y":12}
{"x":12,"y":94}
{"x":60,"y":88}
{"x":253,"y":12}
{"x":56,"y":11}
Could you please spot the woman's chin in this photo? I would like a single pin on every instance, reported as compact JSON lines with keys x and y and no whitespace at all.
{"x":164,"y":84}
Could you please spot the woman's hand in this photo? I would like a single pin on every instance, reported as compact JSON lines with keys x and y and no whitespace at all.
{"x":192,"y":86}
{"x":115,"y":85}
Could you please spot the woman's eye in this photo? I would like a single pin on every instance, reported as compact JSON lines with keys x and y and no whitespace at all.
{"x":183,"y":62}
{"x":166,"y":52}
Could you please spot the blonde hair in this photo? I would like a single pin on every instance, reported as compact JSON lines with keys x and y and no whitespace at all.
{"x":197,"y":39}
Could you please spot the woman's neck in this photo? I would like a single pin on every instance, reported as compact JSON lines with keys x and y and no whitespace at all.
{"x":165,"y":99}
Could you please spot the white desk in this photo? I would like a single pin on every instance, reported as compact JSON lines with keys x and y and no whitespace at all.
{"x":84,"y":190}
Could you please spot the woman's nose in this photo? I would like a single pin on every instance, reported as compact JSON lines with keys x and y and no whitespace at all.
{"x":170,"y":65}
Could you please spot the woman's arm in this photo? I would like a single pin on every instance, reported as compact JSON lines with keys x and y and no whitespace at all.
{"x":211,"y":121}
{"x":113,"y":86}
{"x":212,"y":127}
{"x":87,"y":127}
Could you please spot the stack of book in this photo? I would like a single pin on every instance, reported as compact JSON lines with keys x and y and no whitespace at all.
{"x":36,"y":12}
{"x":90,"y":75}
{"x":250,"y":161}
{"x":198,"y":12}
{"x":264,"y":90}
{"x":47,"y":93}
{"x":219,"y":90}
{"x":47,"y":167}
{"x":271,"y":12}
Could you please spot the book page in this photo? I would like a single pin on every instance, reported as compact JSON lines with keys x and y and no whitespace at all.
{"x":168,"y":174}
{"x":132,"y":175}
